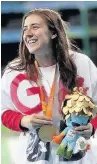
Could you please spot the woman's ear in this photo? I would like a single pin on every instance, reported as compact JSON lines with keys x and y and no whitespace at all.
{"x":54,"y":36}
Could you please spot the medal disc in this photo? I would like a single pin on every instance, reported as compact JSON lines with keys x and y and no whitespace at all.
{"x":46,"y":133}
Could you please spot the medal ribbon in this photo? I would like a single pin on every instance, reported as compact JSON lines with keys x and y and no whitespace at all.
{"x":47,"y":107}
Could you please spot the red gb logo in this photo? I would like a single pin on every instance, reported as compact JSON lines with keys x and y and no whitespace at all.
{"x":25,"y":97}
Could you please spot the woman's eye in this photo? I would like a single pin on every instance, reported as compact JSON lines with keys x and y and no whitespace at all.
{"x":35,"y":27}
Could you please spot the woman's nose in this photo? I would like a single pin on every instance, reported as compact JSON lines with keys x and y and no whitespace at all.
{"x":29,"y":32}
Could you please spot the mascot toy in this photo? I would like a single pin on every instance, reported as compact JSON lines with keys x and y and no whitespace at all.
{"x":78,"y":109}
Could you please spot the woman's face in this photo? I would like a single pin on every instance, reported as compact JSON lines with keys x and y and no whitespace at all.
{"x":36,"y":35}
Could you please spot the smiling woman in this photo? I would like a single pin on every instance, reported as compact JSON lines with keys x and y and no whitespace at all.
{"x":35,"y":84}
{"x":38,"y":39}
{"x":36,"y":35}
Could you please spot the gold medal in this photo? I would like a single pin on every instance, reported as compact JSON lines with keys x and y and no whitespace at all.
{"x":46,"y":133}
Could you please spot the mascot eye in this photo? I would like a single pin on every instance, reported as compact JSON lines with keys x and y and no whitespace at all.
{"x":75,"y":124}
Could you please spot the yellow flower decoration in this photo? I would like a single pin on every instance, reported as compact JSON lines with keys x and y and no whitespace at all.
{"x":79,"y":104}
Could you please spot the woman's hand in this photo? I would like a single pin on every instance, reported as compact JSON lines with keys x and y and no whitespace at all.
{"x":85,"y":130}
{"x":35,"y":120}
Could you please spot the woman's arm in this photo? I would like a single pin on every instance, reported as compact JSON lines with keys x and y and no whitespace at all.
{"x":17,"y":121}
{"x":93,"y":77}
{"x":14,"y":118}
{"x":89,"y":129}
{"x":10,"y":118}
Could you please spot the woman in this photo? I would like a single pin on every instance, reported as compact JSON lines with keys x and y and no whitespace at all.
{"x":46,"y":60}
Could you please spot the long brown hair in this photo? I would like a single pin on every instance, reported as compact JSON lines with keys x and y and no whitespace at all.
{"x":61,"y":45}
